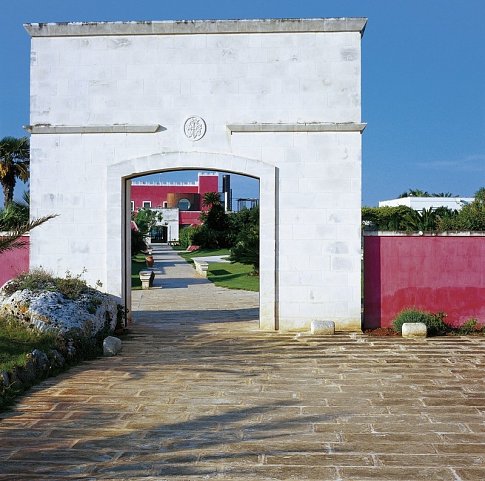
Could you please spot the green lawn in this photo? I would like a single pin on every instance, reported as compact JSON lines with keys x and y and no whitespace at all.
{"x":233,"y":276}
{"x":17,"y":340}
{"x":137,"y":264}
{"x":223,"y":274}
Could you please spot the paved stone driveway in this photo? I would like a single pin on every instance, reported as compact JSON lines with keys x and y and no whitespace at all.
{"x":201,"y":397}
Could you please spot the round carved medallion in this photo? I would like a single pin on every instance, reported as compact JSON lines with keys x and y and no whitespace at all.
{"x":194,"y":128}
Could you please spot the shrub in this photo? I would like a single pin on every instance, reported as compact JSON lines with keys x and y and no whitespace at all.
{"x":208,"y":238}
{"x":71,"y":287}
{"x":434,"y":322}
{"x":470,"y":327}
{"x":137,"y":242}
{"x":246,"y":249}
{"x":186,"y":236}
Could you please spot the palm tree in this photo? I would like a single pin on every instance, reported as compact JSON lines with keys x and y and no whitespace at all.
{"x":414,"y":193}
{"x":14,"y":164}
{"x":211,"y":199}
{"x":13,"y":239}
{"x":15,"y":223}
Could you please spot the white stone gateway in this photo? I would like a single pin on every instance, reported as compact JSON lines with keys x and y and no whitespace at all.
{"x":278,"y":100}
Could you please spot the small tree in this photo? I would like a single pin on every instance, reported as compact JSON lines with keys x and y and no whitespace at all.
{"x":146,"y":219}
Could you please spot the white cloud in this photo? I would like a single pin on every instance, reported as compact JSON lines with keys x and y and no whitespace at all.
{"x":471,"y":163}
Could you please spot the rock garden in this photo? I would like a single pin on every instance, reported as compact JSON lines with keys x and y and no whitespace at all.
{"x":49,"y":323}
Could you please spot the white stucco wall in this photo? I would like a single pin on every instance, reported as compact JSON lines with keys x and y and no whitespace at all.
{"x":281,"y":103}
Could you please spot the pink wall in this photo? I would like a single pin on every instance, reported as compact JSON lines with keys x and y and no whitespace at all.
{"x":14,"y":262}
{"x":157,"y":194}
{"x":434,"y":273}
{"x":208,"y":183}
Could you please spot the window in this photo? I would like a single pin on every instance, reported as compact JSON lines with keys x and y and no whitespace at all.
{"x":184,"y":204}
{"x":132,"y":206}
{"x":147,"y":204}
{"x":165,"y":204}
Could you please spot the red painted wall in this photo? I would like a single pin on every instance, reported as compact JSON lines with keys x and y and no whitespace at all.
{"x":187,"y":217}
{"x":14,"y":262}
{"x":208,"y":183}
{"x":434,"y":273}
{"x":157,"y":194}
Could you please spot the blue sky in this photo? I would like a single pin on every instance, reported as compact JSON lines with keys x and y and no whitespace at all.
{"x":422,"y":87}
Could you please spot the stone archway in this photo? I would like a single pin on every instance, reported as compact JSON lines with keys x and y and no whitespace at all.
{"x":118,"y":231}
{"x":277,"y":99}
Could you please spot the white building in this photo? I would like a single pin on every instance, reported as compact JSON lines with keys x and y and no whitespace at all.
{"x":420,"y":203}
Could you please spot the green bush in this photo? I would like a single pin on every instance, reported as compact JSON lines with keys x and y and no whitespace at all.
{"x":470,"y":327}
{"x":186,"y":236}
{"x":434,"y":322}
{"x":137,"y":242}
{"x":246,"y":248}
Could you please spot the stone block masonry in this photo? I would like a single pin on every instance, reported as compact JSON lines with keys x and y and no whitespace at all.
{"x":278,"y":100}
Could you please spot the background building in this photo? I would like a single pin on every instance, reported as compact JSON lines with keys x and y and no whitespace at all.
{"x":180,"y":203}
{"x":420,"y":203}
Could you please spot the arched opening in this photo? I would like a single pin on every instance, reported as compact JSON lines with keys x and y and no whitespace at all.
{"x":193,"y":219}
{"x":119,"y":207}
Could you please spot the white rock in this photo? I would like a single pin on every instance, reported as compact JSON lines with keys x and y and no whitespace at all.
{"x":324,"y":328}
{"x":111,"y":346}
{"x":414,"y":329}
{"x":48,"y":310}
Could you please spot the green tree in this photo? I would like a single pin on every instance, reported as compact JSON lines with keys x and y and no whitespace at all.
{"x":145,"y":219}
{"x":210,"y":199}
{"x":470,"y":217}
{"x":14,"y":164}
{"x":244,"y":234}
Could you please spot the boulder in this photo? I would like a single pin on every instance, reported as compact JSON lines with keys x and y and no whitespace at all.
{"x":56,"y":359}
{"x":4,"y":380}
{"x":90,"y":314}
{"x":40,"y":360}
{"x":111,"y":346}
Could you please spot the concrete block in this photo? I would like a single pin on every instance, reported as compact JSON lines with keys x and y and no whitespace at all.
{"x":146,"y":278}
{"x":201,"y":267}
{"x":323,"y":328}
{"x":111,"y":346}
{"x":414,"y":329}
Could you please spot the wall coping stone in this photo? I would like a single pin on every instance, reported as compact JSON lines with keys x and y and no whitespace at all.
{"x":423,"y":234}
{"x":184,"y":27}
{"x":93,"y":129}
{"x":298,"y":127}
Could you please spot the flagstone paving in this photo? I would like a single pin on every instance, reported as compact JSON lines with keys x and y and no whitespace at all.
{"x":205,"y":396}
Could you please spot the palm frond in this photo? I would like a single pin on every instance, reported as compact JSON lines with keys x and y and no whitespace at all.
{"x":13,"y":239}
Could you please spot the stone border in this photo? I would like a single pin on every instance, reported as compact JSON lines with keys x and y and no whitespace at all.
{"x":298,"y":127}
{"x":93,"y":129}
{"x":184,"y":27}
{"x":380,"y":233}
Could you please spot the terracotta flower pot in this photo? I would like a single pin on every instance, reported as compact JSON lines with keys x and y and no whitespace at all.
{"x":149,"y":260}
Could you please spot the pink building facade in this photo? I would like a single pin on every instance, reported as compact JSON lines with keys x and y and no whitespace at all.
{"x":187,"y":197}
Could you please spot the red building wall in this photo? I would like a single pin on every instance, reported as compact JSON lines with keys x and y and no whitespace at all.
{"x":14,"y":262}
{"x":433,"y":273}
{"x":157,"y":193}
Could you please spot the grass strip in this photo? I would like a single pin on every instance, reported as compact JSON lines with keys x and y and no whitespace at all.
{"x":233,"y":276}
